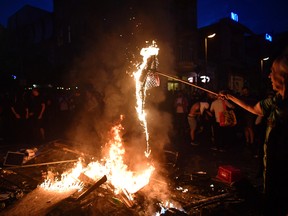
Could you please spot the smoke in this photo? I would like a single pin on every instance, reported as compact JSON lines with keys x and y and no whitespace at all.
{"x":104,"y":71}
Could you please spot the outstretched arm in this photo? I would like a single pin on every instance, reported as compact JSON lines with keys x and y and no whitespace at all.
{"x":255,"y":109}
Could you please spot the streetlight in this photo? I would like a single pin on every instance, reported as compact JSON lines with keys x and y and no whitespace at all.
{"x":262,"y":63}
{"x":206,"y":46}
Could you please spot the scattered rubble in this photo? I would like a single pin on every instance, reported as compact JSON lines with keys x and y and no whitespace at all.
{"x":185,"y":193}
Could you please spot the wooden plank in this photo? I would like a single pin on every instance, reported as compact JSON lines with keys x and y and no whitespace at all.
{"x":36,"y":203}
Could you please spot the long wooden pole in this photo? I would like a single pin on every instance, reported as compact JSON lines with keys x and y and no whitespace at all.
{"x":188,"y":83}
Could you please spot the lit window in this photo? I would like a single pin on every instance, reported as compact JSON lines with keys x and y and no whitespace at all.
{"x":173,"y":86}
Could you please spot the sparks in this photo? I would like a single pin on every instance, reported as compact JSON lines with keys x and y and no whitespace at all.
{"x":141,"y":89}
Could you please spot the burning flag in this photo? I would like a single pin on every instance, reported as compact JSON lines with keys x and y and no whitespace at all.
{"x":141,"y":88}
{"x":112,"y":165}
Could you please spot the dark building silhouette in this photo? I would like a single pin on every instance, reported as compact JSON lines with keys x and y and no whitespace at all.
{"x":233,"y":56}
{"x":87,"y":26}
{"x":82,"y":40}
{"x":30,"y":41}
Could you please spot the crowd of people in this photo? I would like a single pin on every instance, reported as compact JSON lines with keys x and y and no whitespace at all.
{"x":38,"y":115}
{"x":33,"y":116}
{"x":263,"y":123}
{"x":197,"y":119}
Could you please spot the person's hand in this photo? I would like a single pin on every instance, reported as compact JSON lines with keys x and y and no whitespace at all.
{"x":223,"y":96}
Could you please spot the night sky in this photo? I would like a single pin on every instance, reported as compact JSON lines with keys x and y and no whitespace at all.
{"x":9,"y":7}
{"x":260,"y":16}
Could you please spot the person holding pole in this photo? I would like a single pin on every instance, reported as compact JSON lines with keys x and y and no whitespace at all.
{"x":275,"y":158}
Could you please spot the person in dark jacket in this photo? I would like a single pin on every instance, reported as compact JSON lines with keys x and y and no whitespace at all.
{"x":36,"y":108}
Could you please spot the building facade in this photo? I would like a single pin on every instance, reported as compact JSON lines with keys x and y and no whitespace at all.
{"x":81,"y":40}
{"x":30,"y":44}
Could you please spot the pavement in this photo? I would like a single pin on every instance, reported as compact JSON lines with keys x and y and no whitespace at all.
{"x":203,"y":158}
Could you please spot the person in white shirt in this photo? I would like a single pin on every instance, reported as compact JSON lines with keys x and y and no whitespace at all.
{"x":221,"y":134}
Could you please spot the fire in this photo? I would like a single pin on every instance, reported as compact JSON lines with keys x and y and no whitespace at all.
{"x":141,"y":90}
{"x":112,"y":166}
{"x":68,"y":180}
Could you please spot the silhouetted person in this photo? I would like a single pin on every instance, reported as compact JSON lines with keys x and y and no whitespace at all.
{"x":247,"y":120}
{"x":222,"y":135}
{"x":19,"y":109}
{"x":196,"y":110}
{"x":276,"y":138}
{"x":181,"y":111}
{"x":36,"y":108}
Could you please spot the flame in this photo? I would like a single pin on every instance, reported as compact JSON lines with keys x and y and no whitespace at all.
{"x":112,"y":166}
{"x":68,"y":180}
{"x":141,"y":90}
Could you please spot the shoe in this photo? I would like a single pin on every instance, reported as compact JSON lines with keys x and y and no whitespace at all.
{"x":214,"y":148}
{"x":221,"y":150}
